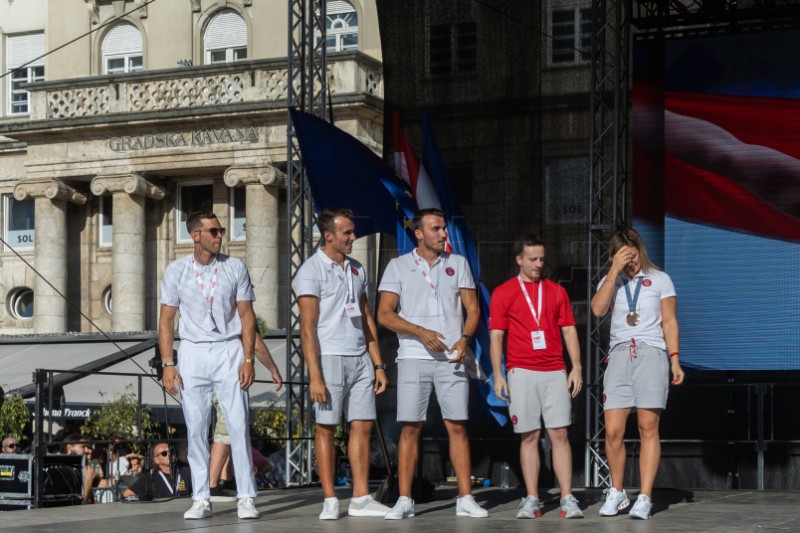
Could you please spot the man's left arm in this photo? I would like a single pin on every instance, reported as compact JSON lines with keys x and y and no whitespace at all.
{"x":247,"y":371}
{"x":373,"y":348}
{"x":575,"y":378}
{"x":469,"y":299}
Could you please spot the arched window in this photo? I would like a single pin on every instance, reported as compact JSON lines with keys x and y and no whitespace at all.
{"x":341,"y":26}
{"x":225,"y":39}
{"x":122,"y":49}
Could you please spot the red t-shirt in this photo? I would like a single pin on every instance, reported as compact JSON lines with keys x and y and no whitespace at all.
{"x":509,"y":312}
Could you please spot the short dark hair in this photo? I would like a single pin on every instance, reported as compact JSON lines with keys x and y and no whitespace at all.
{"x":422,"y":213}
{"x":325,"y":220}
{"x":195,"y":220}
{"x":526,"y":239}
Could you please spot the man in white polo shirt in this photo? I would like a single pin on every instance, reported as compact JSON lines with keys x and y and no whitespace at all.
{"x":217,"y":328}
{"x":340,"y":347}
{"x":423,"y":297}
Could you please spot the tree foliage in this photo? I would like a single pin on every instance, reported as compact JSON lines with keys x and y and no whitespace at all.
{"x":14,"y":416}
{"x":119,"y":418}
{"x":270,"y":423}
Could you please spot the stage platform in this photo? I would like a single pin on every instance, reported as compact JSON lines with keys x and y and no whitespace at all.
{"x":298,"y":509}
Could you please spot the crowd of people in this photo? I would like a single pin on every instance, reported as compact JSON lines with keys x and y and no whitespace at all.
{"x":429,"y":300}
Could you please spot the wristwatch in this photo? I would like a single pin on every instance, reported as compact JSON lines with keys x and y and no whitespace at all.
{"x":381,"y":366}
{"x":165,"y":364}
{"x":468,"y":337}
{"x":249,"y":360}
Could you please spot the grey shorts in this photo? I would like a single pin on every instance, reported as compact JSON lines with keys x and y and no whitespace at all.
{"x":534,"y":396}
{"x":349,"y":382}
{"x":641,"y":381}
{"x":416,"y":378}
{"x":220,"y":428}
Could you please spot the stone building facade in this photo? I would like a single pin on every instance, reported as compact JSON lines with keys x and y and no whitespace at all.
{"x":145,"y":114}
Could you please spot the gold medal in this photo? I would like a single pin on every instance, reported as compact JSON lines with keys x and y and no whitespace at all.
{"x":632,"y":318}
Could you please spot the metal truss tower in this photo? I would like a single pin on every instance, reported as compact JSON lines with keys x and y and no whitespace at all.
{"x":608,"y":138}
{"x":306,"y":91}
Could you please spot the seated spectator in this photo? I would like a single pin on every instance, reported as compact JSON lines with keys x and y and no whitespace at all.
{"x":135,"y":464}
{"x":160,"y":483}
{"x":76,"y":445}
{"x":11,"y":445}
{"x":117,"y":462}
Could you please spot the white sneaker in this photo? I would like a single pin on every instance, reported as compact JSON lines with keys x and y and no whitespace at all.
{"x":368,"y":507}
{"x":641,"y":508}
{"x":246,"y":508}
{"x":330,"y":509}
{"x":402,"y":509}
{"x":569,"y":507}
{"x":529,"y":507}
{"x":615,"y":502}
{"x":467,"y":506}
{"x":199,"y":509}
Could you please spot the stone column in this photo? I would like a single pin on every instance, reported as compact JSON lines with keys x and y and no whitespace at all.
{"x":50,"y":250}
{"x":128,"y":192}
{"x":262,"y":185}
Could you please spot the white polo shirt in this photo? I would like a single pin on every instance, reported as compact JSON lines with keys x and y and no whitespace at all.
{"x":198,"y":321}
{"x":432,"y":300}
{"x":334,"y":286}
{"x":656,"y":285}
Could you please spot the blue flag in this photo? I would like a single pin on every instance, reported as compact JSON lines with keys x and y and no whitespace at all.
{"x":462,"y":244}
{"x":343,"y":172}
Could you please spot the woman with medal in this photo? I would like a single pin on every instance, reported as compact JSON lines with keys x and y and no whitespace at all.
{"x":643,"y":351}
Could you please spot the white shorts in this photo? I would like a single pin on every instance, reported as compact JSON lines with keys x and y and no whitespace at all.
{"x":534,"y":396}
{"x":416,"y":378}
{"x":348,"y":380}
{"x":636,"y":381}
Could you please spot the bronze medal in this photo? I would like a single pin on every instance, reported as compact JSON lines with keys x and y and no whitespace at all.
{"x":632,"y":318}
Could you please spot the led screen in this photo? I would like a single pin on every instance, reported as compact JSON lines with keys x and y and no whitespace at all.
{"x":716,"y":191}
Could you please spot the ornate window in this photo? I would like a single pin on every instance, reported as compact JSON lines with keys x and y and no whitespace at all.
{"x":192,"y":196}
{"x":238,"y":214}
{"x":122,"y":49}
{"x":20,"y":303}
{"x":341,"y":26}
{"x":452,"y":48}
{"x":106,"y":221}
{"x":19,"y":223}
{"x":225,"y":39}
{"x":21,"y":51}
{"x":571,"y":31}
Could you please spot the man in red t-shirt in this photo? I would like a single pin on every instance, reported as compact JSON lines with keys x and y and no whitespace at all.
{"x":533,"y":313}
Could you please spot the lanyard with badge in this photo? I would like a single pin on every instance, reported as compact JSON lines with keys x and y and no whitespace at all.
{"x":351,"y":302}
{"x":433,"y":298}
{"x":632,"y":317}
{"x":537,"y":337}
{"x":167,"y":482}
{"x":209,"y":298}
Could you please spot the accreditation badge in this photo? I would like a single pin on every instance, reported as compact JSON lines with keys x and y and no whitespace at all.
{"x":351,"y":309}
{"x":538,"y":340}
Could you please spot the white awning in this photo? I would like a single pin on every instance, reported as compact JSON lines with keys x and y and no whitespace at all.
{"x":19,"y":361}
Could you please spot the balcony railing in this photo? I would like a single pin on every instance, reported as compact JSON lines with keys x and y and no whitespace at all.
{"x":193,"y":87}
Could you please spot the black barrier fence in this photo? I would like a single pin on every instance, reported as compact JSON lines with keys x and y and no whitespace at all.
{"x":58,"y":479}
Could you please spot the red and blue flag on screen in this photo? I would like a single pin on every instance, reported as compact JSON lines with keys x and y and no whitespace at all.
{"x":343,"y":172}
